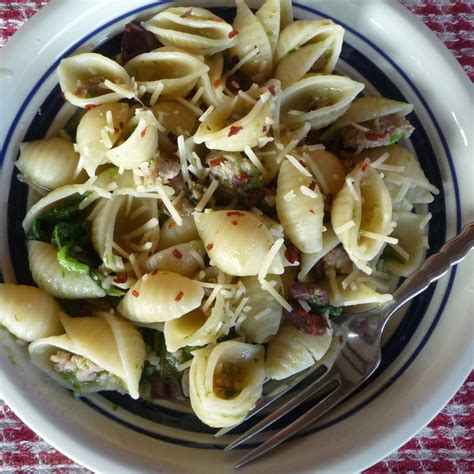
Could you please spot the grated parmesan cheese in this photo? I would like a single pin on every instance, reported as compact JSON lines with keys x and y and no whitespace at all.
{"x":193,"y":108}
{"x":195,"y":254}
{"x":350,"y":185}
{"x":344,"y":227}
{"x":149,"y":225}
{"x":402,"y":252}
{"x":183,"y":158}
{"x":120,"y":90}
{"x":212,"y":297}
{"x":298,"y":166}
{"x":304,"y":304}
{"x":167,"y":203}
{"x":244,"y":60}
{"x":269,"y":288}
{"x":254,"y":159}
{"x":197,"y":95}
{"x":308,"y":192}
{"x":269,"y":257}
{"x":206,"y":196}
{"x":425,"y":220}
{"x":206,"y":114}
{"x":246,"y":97}
{"x":379,"y":237}
{"x":289,"y":196}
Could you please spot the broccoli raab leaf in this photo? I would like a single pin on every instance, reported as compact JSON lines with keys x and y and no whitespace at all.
{"x":322,"y":308}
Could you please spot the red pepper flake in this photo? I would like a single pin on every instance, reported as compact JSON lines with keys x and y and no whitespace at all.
{"x":90,"y":106}
{"x":179,"y":296}
{"x":209,"y":246}
{"x":154,"y":272}
{"x":121,"y":278}
{"x":143,"y":132}
{"x":234,"y":131}
{"x":177,"y":254}
{"x":216,"y":162}
{"x":121,"y":125}
{"x":171,"y":225}
{"x":235,"y":213}
{"x":364,"y":165}
{"x":187,"y":13}
{"x":116,"y":130}
{"x":292,"y":255}
{"x":135,"y":293}
{"x":312,"y":211}
{"x":302,"y":163}
{"x":62,"y":96}
{"x":235,"y":223}
{"x":233,"y":33}
{"x":271,"y":88}
{"x":245,"y":178}
{"x":312,"y":185}
{"x":216,"y":83}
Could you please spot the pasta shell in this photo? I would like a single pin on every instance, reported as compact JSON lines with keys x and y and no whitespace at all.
{"x":217,"y":134}
{"x":307,"y":45}
{"x":174,"y":70}
{"x":83,"y":80}
{"x":318,"y":99}
{"x":236,"y":242}
{"x":412,"y":239}
{"x":361,"y":294}
{"x":55,"y":197}
{"x":184,"y":259}
{"x":365,"y":109}
{"x":193,"y":29}
{"x":196,"y":328}
{"x":309,"y":260}
{"x":361,"y":207}
{"x":269,"y":17}
{"x":98,"y":130}
{"x":292,"y":351}
{"x":252,"y":36}
{"x":175,"y":117}
{"x":50,"y":163}
{"x":225,"y":382}
{"x":108,"y":341}
{"x":174,"y":234}
{"x":327,"y":169}
{"x":406,"y":181}
{"x":56,"y":280}
{"x":140,"y":141}
{"x":213,"y":82}
{"x":29,"y":313}
{"x":161,"y":296}
{"x":263,"y":320}
{"x":125,"y":221}
{"x":300,"y":208}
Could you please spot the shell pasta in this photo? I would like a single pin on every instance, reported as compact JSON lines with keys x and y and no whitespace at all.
{"x":219,"y":194}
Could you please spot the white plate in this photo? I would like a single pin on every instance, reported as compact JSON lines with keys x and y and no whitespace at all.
{"x":424,"y":372}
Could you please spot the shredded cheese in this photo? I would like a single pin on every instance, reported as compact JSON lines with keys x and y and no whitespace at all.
{"x":289,"y":196}
{"x":120,"y":90}
{"x":425,"y":220}
{"x":304,"y":304}
{"x":206,"y":114}
{"x":197,"y":95}
{"x":269,"y":257}
{"x":402,"y":252}
{"x":246,"y":97}
{"x":212,"y":297}
{"x":196,"y":110}
{"x":195,"y":254}
{"x":254,"y":159}
{"x":156,"y":93}
{"x":350,"y":185}
{"x":379,"y":237}
{"x":167,"y":203}
{"x":269,"y":288}
{"x":298,"y":166}
{"x":344,"y":227}
{"x":206,"y":196}
{"x":244,"y":60}
{"x":308,"y":192}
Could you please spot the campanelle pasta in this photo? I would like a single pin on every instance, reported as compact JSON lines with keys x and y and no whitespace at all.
{"x":221,"y":192}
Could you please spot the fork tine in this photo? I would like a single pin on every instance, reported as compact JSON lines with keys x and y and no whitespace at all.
{"x":332,"y":399}
{"x":311,"y":389}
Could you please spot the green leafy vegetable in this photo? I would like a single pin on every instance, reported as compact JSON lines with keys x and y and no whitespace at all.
{"x":69,"y":262}
{"x":395,"y":138}
{"x":320,"y":307}
{"x":168,"y":363}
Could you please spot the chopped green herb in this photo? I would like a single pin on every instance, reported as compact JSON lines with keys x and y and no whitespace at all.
{"x":320,"y":307}
{"x":395,"y":138}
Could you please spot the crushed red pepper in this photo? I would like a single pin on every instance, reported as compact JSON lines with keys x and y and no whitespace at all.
{"x":364,"y":165}
{"x":312,"y":185}
{"x":135,"y":293}
{"x":235,"y":223}
{"x":233,"y":33}
{"x":216,"y":83}
{"x":154,"y":272}
{"x":209,"y":246}
{"x":234,"y":213}
{"x":143,"y":132}
{"x":292,"y":255}
{"x":271,"y":88}
{"x":179,"y":296}
{"x":234,"y":130}
{"x":177,"y":254}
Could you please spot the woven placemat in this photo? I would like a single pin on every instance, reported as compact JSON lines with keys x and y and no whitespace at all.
{"x":445,"y":445}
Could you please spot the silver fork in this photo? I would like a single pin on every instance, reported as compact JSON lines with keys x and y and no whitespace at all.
{"x":360,"y":355}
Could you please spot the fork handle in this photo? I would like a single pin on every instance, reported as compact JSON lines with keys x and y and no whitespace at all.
{"x":451,"y":253}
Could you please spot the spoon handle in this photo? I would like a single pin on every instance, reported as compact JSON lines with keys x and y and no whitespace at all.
{"x":451,"y":253}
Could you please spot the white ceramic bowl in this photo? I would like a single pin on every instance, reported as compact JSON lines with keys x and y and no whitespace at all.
{"x":426,"y":356}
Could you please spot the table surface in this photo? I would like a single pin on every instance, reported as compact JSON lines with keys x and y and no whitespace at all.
{"x":445,"y":445}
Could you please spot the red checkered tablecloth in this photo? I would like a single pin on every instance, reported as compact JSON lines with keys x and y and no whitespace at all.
{"x":445,"y":445}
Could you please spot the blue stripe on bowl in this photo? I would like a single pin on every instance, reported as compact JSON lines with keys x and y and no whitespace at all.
{"x":167,"y":417}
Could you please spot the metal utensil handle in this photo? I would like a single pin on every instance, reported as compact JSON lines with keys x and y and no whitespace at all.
{"x":451,"y":253}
